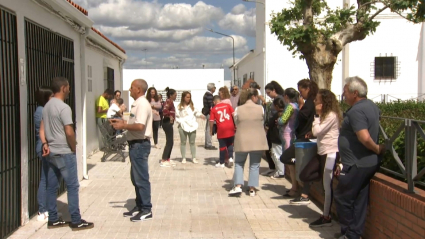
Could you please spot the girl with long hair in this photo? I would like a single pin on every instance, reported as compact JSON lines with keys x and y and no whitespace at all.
{"x":152,"y":97}
{"x":187,"y":124}
{"x":326,"y":126}
{"x":287,"y":124}
{"x":42,"y":96}
{"x":169,"y":116}
{"x":308,"y":90}
{"x":224,"y":94}
{"x":273,"y":90}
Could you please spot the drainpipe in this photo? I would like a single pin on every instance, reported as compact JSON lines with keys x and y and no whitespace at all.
{"x":84,"y":92}
{"x":122,"y":61}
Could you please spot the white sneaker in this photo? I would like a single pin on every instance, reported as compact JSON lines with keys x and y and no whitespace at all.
{"x":219,"y":165}
{"x":252,"y":192}
{"x":184,"y":160}
{"x":235,"y":190}
{"x":172,"y":163}
{"x":165,"y":164}
{"x":43,"y":217}
{"x":195,"y":160}
{"x":231,"y":162}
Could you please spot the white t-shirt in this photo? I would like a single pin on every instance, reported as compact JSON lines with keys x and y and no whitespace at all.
{"x":113,"y":109}
{"x":140,"y":113}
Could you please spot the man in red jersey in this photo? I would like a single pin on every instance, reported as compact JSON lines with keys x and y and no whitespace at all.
{"x":221,"y":113}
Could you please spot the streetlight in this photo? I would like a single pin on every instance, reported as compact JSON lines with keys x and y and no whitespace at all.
{"x":253,"y":1}
{"x":145,"y":57}
{"x":234,"y":71}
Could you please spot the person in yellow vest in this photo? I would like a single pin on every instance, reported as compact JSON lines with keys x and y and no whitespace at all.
{"x":102,"y":106}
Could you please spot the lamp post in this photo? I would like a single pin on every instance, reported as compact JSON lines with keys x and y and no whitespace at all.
{"x":264,"y":38}
{"x":145,"y":57}
{"x":233,"y":39}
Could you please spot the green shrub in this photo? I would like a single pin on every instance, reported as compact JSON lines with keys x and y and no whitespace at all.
{"x":401,"y":109}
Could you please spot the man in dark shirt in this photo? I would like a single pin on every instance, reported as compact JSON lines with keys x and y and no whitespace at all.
{"x":208,"y":104}
{"x":359,"y":150}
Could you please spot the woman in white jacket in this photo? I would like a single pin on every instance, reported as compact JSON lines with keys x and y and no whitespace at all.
{"x":186,"y":118}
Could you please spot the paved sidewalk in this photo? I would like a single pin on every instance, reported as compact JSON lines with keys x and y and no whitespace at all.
{"x":189,"y":201}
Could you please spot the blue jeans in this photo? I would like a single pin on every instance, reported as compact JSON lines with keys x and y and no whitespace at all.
{"x":254,"y":168}
{"x":139,"y":154}
{"x":42,"y":187}
{"x":63,"y":165}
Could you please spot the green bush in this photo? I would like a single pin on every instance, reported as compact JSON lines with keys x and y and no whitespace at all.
{"x":401,"y":109}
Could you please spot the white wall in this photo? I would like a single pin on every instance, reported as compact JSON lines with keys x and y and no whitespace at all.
{"x":29,"y":10}
{"x":98,"y":61}
{"x":248,"y":65}
{"x":403,"y":43}
{"x":195,"y":80}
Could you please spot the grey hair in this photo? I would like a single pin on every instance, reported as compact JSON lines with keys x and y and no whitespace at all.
{"x":210,"y":86}
{"x":356,"y":83}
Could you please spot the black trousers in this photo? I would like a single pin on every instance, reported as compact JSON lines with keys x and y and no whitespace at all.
{"x":155,"y":127}
{"x":289,"y":153}
{"x":269,"y":158}
{"x":169,"y":137}
{"x":351,"y":199}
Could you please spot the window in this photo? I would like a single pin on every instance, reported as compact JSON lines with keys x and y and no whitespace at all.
{"x":110,"y":78}
{"x":251,"y":75}
{"x":245,"y":78}
{"x":386,"y":67}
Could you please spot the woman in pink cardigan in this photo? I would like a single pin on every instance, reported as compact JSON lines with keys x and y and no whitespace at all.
{"x":326,"y":126}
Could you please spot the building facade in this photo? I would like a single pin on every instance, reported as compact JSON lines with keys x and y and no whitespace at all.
{"x":193,"y":80}
{"x":42,"y":39}
{"x":390,"y":61}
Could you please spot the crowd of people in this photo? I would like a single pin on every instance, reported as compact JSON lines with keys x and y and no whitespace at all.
{"x":246,"y":124}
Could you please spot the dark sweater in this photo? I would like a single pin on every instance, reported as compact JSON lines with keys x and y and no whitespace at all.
{"x":208,"y":103}
{"x":273,"y":132}
{"x":305,"y":119}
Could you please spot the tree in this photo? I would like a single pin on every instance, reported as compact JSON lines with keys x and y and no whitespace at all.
{"x":317,"y":33}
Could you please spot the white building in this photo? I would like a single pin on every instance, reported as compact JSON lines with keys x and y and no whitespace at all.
{"x":42,"y":39}
{"x":193,"y":80}
{"x":395,"y":37}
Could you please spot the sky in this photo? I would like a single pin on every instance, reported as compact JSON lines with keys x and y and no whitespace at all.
{"x":173,"y":33}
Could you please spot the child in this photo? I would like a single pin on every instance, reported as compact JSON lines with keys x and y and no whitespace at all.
{"x":275,"y":137}
{"x":115,"y":110}
{"x":287,"y":123}
{"x":221,"y":113}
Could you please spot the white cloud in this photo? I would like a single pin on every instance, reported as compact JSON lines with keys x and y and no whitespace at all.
{"x":145,"y":15}
{"x":197,"y":44}
{"x":151,"y":34}
{"x":240,"y":20}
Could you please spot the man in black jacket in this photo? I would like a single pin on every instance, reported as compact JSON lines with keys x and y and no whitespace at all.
{"x":208,"y":104}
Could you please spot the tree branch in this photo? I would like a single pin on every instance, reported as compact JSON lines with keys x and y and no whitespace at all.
{"x":308,"y":13}
{"x":377,"y":13}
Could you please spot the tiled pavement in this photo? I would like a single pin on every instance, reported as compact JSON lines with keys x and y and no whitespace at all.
{"x":189,"y":201}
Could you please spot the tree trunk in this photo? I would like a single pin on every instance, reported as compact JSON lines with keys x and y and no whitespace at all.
{"x":321,"y":63}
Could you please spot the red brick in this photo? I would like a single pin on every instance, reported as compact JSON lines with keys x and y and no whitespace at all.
{"x":418,"y":230}
{"x":406,"y":222}
{"x":391,"y":224}
{"x":412,"y":218}
{"x":400,"y":211}
{"x":421,"y":223}
{"x":411,"y":234}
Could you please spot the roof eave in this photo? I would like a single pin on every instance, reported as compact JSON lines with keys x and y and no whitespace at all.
{"x":72,"y":12}
{"x":102,"y":41}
